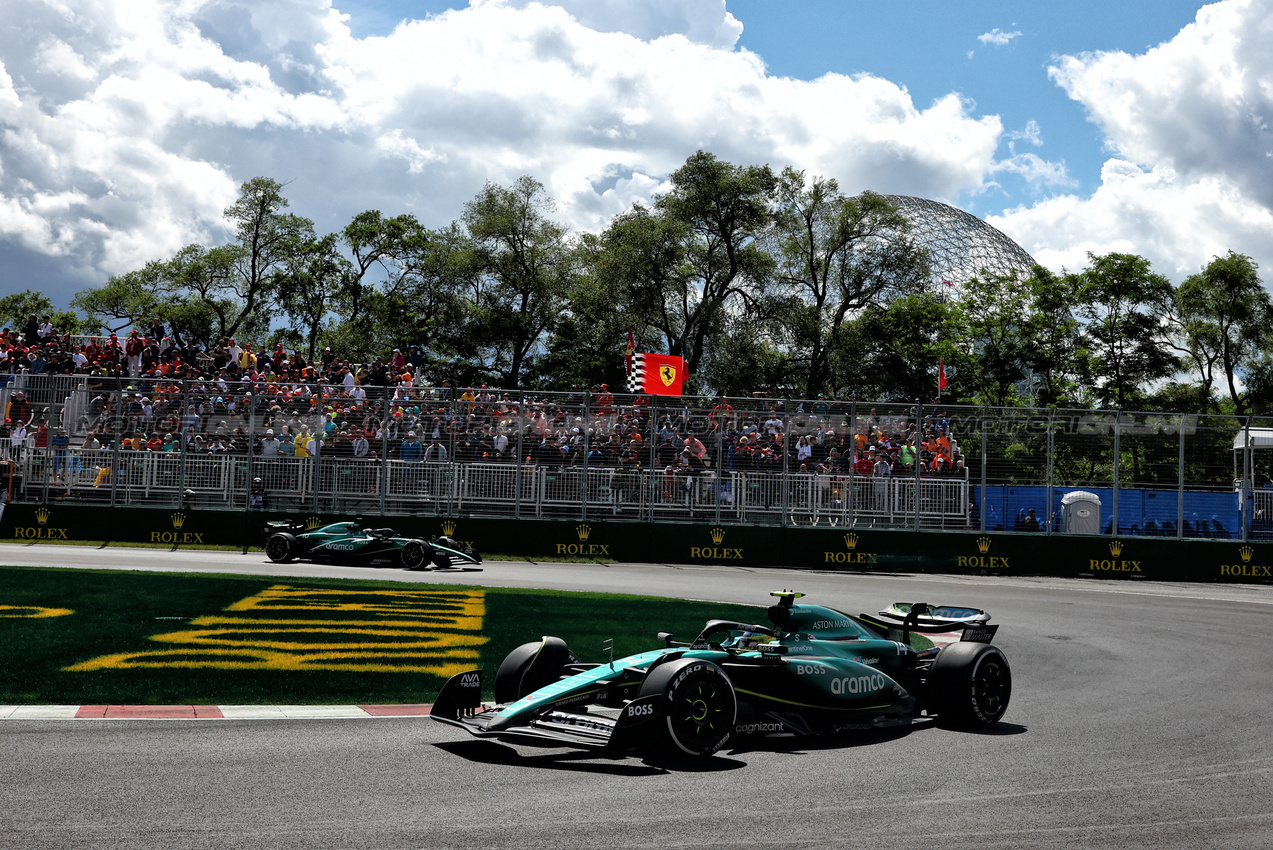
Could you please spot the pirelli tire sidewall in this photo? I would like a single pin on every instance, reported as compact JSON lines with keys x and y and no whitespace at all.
{"x":698,"y":707}
{"x":970,"y":685}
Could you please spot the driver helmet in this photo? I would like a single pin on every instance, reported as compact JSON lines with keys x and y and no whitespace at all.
{"x":749,"y":640}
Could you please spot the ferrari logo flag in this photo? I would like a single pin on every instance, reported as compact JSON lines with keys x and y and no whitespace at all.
{"x":657,"y":374}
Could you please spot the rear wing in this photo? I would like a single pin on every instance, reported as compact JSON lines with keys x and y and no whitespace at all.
{"x":901,"y":618}
{"x":290,"y":526}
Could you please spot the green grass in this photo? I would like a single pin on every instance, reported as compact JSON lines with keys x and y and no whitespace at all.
{"x":119,"y":612}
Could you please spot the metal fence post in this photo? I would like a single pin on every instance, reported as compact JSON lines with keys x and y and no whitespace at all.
{"x":587,"y":445}
{"x":1118,"y":420}
{"x":383,"y":404}
{"x":118,"y":436}
{"x":1051,"y":467}
{"x":315,"y":461}
{"x":1244,"y":489}
{"x":919,"y":477}
{"x":1180,"y":483}
{"x":785,"y":516}
{"x":183,"y":475}
{"x":521,"y":453}
{"x":851,"y":448}
{"x":722,"y":448}
{"x":249,"y":400}
{"x":985,"y":444}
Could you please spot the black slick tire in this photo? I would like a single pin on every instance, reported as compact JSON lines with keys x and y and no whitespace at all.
{"x":970,"y":685}
{"x":281,"y":548}
{"x":413,"y":555}
{"x":531,"y":666}
{"x":698,"y":707}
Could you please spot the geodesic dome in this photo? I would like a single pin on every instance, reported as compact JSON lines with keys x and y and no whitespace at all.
{"x":959,"y":244}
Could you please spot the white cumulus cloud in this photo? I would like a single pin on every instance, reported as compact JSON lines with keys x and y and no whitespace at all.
{"x":1179,"y":225}
{"x":1189,"y":124}
{"x":702,"y":21}
{"x":126,"y":126}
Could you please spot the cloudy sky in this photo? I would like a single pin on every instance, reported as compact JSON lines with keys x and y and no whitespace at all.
{"x":126,"y":126}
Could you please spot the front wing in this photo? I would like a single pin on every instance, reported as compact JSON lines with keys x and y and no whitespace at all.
{"x":459,"y":703}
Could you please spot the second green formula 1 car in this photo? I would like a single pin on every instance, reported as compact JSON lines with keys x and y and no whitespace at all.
{"x":812,"y":671}
{"x":352,"y":544}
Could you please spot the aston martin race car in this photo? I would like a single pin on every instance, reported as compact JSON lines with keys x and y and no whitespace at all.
{"x":810,"y":671}
{"x":351,"y":543}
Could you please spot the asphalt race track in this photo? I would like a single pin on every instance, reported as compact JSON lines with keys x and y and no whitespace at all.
{"x":1140,"y":718}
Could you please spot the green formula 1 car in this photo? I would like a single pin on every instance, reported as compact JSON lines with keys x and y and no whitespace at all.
{"x":812,"y":671}
{"x":352,"y":544}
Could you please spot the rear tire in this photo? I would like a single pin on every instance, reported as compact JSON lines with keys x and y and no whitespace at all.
{"x":698,"y":708}
{"x":970,"y":685}
{"x":281,"y":548}
{"x":531,"y":666}
{"x":414,"y":556}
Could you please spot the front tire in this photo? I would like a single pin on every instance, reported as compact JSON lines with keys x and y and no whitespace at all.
{"x":698,"y":708}
{"x":281,"y":548}
{"x":531,"y":666}
{"x":414,"y":555}
{"x":970,"y":685}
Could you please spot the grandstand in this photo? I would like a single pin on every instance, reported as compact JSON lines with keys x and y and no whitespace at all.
{"x":333,"y":448}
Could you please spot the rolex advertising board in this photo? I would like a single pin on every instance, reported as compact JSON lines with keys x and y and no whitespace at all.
{"x":820,"y":548}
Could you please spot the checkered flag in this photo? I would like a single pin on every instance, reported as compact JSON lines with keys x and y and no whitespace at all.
{"x":636,"y":376}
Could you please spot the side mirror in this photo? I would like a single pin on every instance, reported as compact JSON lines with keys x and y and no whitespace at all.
{"x":666,"y":637}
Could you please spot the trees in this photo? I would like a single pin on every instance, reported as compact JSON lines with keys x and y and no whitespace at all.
{"x":16,"y":308}
{"x":313,"y":274}
{"x":185,"y":292}
{"x":520,"y":267}
{"x":1019,"y":339}
{"x":267,"y":239}
{"x":894,"y":350}
{"x":760,"y":280}
{"x":1055,"y":348}
{"x":683,"y":265}
{"x":209,"y":293}
{"x":1225,"y":317}
{"x":992,"y":315}
{"x":835,"y":256}
{"x":376,"y":242}
{"x":1121,"y":300}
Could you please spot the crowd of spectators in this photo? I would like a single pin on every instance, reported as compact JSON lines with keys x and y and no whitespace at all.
{"x":149,"y":393}
{"x":38,"y":348}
